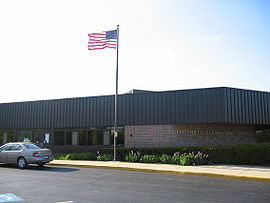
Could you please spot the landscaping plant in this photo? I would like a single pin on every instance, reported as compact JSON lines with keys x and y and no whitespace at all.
{"x":133,"y":157}
{"x":253,"y":153}
{"x":104,"y":157}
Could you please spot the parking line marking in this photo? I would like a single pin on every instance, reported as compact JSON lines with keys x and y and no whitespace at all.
{"x":9,"y":197}
{"x":65,"y":202}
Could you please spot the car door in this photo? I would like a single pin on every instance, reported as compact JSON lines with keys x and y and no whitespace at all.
{"x":3,"y":153}
{"x":13,"y":153}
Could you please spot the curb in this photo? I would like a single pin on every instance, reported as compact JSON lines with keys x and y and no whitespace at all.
{"x":217,"y":175}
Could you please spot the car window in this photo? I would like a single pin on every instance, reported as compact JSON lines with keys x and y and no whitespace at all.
{"x":6,"y":147}
{"x":31,"y":146}
{"x":15,"y":147}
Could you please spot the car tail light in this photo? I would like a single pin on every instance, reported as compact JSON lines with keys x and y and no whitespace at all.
{"x":35,"y":154}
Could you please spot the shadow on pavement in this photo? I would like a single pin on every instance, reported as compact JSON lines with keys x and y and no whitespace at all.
{"x":44,"y":168}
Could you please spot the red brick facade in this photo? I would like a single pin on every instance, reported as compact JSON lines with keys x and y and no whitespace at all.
{"x":187,"y":135}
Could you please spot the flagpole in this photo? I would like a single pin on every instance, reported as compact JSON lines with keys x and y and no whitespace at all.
{"x":115,"y":99}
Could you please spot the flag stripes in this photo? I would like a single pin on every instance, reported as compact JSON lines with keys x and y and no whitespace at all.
{"x":102,"y":40}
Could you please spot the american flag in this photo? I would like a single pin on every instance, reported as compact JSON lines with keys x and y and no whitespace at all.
{"x":102,"y":40}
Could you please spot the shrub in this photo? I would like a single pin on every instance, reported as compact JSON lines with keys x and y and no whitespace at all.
{"x":105,"y":157}
{"x":87,"y":156}
{"x":81,"y":156}
{"x":76,"y":156}
{"x":165,"y":159}
{"x":175,"y":159}
{"x":133,"y":157}
{"x":201,"y":158}
{"x":150,"y":159}
{"x":253,"y":153}
{"x":189,"y":159}
{"x":59,"y":156}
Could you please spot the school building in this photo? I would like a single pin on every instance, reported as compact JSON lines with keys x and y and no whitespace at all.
{"x":208,"y":116}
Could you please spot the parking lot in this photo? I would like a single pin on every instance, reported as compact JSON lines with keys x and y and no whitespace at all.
{"x":72,"y":184}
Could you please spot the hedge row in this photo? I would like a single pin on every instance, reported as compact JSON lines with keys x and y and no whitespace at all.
{"x":254,"y":153}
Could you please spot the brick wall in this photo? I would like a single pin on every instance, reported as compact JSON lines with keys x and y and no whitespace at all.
{"x":187,"y":135}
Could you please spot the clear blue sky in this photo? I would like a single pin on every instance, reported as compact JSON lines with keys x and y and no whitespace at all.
{"x":164,"y":45}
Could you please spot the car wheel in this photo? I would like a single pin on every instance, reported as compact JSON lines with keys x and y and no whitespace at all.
{"x":41,"y":164}
{"x":21,"y":162}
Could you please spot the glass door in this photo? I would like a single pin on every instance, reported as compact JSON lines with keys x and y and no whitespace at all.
{"x":41,"y":138}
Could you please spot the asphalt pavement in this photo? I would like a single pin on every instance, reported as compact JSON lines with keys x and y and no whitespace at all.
{"x":249,"y":172}
{"x":65,"y":184}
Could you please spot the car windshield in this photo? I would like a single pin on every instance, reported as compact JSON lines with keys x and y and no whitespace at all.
{"x":31,"y":146}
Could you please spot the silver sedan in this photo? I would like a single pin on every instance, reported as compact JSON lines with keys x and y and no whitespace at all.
{"x":24,"y":153}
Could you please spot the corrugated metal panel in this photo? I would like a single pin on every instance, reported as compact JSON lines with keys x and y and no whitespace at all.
{"x":109,"y":111}
{"x":164,"y":107}
{"x":92,"y":115}
{"x":129,"y":114}
{"x":248,"y":107}
{"x":197,"y":107}
{"x":267,"y":108}
{"x":6,"y":115}
{"x":184,"y":108}
{"x":264,"y":113}
{"x":104,"y":112}
{"x":87,"y":112}
{"x":161,"y":109}
{"x":204,"y":108}
{"x":213,"y":105}
{"x":154,"y":102}
{"x":58,"y":117}
{"x":189,"y":107}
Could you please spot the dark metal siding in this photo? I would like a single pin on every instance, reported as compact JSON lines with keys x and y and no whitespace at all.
{"x":248,"y":107}
{"x":196,"y":106}
{"x":212,"y":105}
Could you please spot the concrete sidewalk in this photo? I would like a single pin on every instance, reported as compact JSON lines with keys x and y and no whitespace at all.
{"x":260,"y":173}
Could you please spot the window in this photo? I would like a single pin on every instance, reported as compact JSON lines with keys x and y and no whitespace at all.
{"x":41,"y":137}
{"x":10,"y":136}
{"x":6,"y":136}
{"x":47,"y":138}
{"x":120,"y":137}
{"x":6,"y":147}
{"x":95,"y":137}
{"x":59,"y":137}
{"x":15,"y":147}
{"x":106,"y":137}
{"x":25,"y":135}
{"x":72,"y":137}
{"x":69,"y":137}
{"x":38,"y":137}
{"x":82,"y":137}
{"x":75,"y":138}
{"x":31,"y":146}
